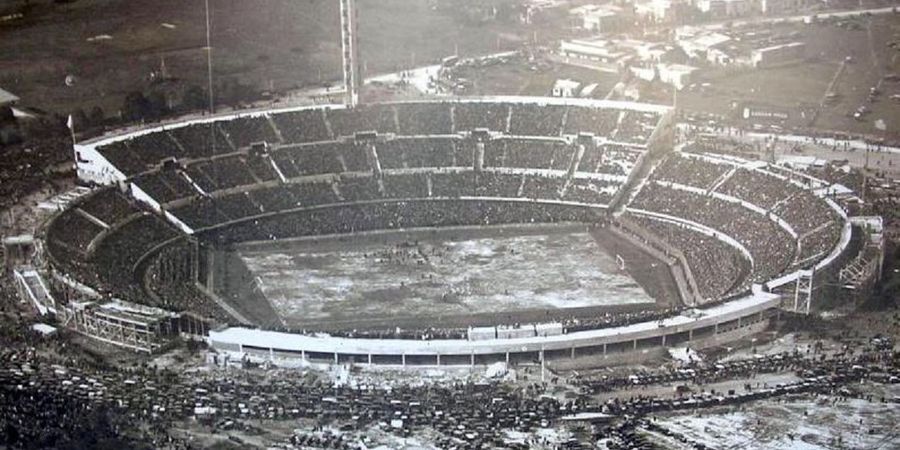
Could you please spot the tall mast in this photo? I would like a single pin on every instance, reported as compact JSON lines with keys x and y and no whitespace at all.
{"x":350,"y":57}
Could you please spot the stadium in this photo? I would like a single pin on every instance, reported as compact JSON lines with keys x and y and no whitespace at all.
{"x":684,"y":247}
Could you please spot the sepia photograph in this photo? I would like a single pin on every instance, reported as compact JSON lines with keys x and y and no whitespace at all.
{"x":450,"y":224}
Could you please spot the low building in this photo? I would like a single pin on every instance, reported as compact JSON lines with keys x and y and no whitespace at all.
{"x":601,"y":53}
{"x":776,"y":7}
{"x":699,"y":45}
{"x":655,"y":10}
{"x":727,"y":8}
{"x":601,"y":18}
{"x":9,"y":128}
{"x":7,"y":98}
{"x":778,"y":54}
{"x":565,"y":88}
{"x":677,"y":75}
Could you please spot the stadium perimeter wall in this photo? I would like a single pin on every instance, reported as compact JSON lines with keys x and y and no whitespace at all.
{"x":737,"y":318}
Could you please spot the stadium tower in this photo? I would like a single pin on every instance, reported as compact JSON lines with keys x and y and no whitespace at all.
{"x":350,"y":57}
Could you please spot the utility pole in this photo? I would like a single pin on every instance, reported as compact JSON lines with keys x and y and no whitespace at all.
{"x":350,"y":51}
{"x":209,"y":70}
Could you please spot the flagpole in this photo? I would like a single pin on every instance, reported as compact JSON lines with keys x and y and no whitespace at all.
{"x":70,"y":124}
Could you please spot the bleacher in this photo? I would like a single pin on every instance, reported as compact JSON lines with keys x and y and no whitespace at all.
{"x":717,"y":268}
{"x":165,"y":185}
{"x":771,"y":246}
{"x":302,"y":126}
{"x":202,"y":140}
{"x":417,"y":119}
{"x":689,"y":171}
{"x":109,"y":205}
{"x":404,"y":153}
{"x":243,"y":131}
{"x":332,"y":186}
{"x":346,"y":122}
{"x":536,"y":120}
{"x":469,"y":116}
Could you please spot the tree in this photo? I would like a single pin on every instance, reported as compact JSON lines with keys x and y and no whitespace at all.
{"x":158,"y":106}
{"x":96,"y":118}
{"x":194,"y":98}
{"x":6,"y":115}
{"x":136,"y":106}
{"x":80,"y":119}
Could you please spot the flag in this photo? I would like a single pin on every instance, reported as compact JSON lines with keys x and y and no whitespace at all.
{"x":70,"y":123}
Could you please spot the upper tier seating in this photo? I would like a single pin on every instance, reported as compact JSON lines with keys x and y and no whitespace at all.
{"x":771,"y":246}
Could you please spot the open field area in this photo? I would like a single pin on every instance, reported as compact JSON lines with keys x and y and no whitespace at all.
{"x":444,"y":275}
{"x":532,"y":79}
{"x":804,"y":85}
{"x":275,"y":45}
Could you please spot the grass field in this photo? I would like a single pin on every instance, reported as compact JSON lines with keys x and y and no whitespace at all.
{"x":520,"y":79}
{"x":280,"y":44}
{"x":494,"y":272}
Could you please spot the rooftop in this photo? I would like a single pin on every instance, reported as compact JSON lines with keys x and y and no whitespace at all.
{"x":7,"y":97}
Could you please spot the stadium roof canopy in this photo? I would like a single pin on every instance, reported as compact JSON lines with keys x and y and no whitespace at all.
{"x":7,"y":97}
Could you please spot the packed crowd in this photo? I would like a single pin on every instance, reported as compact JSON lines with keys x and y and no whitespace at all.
{"x":350,"y":218}
{"x":206,"y":211}
{"x":528,"y":153}
{"x":772,"y":248}
{"x":245,"y":131}
{"x":613,"y":320}
{"x":817,"y":225}
{"x":169,"y":275}
{"x":346,"y":122}
{"x":718,"y":269}
{"x":415,"y":152}
{"x":570,"y":324}
{"x":690,"y":171}
{"x":608,"y":159}
{"x":167,"y":185}
{"x":205,"y":140}
{"x":634,"y":127}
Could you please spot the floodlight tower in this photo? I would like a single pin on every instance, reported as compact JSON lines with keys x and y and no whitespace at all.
{"x":350,"y":57}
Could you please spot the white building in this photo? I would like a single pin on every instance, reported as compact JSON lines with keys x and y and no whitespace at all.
{"x":657,"y":10}
{"x":727,"y":8}
{"x":677,"y":75}
{"x":598,"y":50}
{"x":600,"y":18}
{"x":565,"y":88}
{"x":781,"y":6}
{"x":698,"y":45}
{"x":7,"y":98}
{"x":778,"y":54}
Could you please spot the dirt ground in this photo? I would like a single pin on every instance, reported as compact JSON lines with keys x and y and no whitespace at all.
{"x":449,"y":277}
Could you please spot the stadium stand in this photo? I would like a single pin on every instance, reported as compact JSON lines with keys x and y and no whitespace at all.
{"x":536,"y":120}
{"x":302,"y":126}
{"x":416,"y":119}
{"x":771,"y":246}
{"x":331,"y":185}
{"x":469,"y":116}
{"x":346,"y":122}
{"x":243,"y":131}
{"x":718,"y":268}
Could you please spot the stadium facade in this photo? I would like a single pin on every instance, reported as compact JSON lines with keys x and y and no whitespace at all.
{"x":738,"y":239}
